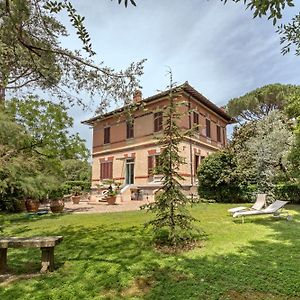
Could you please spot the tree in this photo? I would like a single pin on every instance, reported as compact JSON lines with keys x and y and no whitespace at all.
{"x":264,"y":154}
{"x":77,"y":170}
{"x":293,"y":111}
{"x":218,"y":178}
{"x":255,"y":160}
{"x":126,"y":2}
{"x":258,"y":103}
{"x":22,"y":171}
{"x":31,"y":55}
{"x":172,"y":223}
{"x":238,"y":147}
{"x":48,"y":125}
{"x":34,"y":143}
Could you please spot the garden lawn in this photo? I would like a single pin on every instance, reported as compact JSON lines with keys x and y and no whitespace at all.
{"x":109,"y":256}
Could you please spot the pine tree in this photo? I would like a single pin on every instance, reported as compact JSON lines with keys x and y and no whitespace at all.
{"x":173,"y":224}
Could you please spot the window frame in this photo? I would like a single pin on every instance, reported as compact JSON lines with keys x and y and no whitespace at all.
{"x":196,"y":120}
{"x":153,"y":163}
{"x":106,"y":170}
{"x":150,"y":165}
{"x":219,"y":135}
{"x":106,"y":135}
{"x":208,"y":128}
{"x":130,"y":129}
{"x":224,"y":135}
{"x":196,"y":163}
{"x":158,"y":121}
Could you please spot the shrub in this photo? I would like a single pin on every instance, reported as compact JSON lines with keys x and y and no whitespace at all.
{"x":56,"y":193}
{"x":69,"y":185}
{"x":217,"y":178}
{"x":288,"y":191}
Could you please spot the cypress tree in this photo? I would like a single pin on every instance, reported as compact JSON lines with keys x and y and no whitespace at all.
{"x":173,"y":223}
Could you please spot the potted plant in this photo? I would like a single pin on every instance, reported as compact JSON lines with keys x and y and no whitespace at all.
{"x":111,"y":195}
{"x":76,"y":194}
{"x":32,"y":204}
{"x":57,"y":203}
{"x":32,"y":196}
{"x":112,"y":191}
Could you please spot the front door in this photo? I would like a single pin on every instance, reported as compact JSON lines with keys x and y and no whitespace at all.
{"x":129,"y":176}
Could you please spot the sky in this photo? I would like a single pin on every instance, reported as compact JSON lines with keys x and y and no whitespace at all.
{"x":219,"y":49}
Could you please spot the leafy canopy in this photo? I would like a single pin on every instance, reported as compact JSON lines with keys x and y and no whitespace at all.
{"x":258,"y":103}
{"x":293,"y":111}
{"x":48,"y":125}
{"x":269,"y":149}
{"x":35,"y":142}
{"x":218,"y":179}
{"x":31,"y":55}
{"x":256,"y":159}
{"x":23,"y":173}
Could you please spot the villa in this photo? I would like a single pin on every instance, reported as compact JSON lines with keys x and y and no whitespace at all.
{"x":126,"y":151}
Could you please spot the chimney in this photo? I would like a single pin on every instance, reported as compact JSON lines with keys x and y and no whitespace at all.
{"x":137,"y":96}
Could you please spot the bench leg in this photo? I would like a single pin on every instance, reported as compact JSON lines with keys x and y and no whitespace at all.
{"x":3,"y":260}
{"x":47,"y":259}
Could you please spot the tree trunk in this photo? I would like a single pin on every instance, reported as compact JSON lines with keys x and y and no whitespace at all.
{"x":2,"y":95}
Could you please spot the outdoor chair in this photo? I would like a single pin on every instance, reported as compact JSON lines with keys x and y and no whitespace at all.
{"x":258,"y":205}
{"x":274,"y":209}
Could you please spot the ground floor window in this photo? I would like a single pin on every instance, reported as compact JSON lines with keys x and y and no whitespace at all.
{"x":196,"y":163}
{"x":106,"y":170}
{"x":153,"y":161}
{"x":150,"y":165}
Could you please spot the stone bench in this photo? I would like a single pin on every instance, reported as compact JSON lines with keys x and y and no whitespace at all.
{"x":46,"y":244}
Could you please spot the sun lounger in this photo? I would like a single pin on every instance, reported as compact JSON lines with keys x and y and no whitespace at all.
{"x":258,"y":205}
{"x":274,"y":209}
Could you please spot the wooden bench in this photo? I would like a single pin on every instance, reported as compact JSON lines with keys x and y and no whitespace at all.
{"x":46,"y":244}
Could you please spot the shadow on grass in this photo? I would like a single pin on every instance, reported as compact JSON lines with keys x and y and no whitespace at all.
{"x":115,"y":262}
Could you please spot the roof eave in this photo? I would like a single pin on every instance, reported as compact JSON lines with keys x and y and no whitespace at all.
{"x":187,"y":88}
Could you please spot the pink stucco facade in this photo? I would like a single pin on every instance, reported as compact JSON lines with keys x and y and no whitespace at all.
{"x":130,"y":158}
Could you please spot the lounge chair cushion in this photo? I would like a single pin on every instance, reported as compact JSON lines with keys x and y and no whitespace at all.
{"x":271,"y":209}
{"x":235,"y":209}
{"x":258,"y":205}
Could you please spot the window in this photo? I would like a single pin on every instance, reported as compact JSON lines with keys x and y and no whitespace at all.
{"x":208,"y":128}
{"x":218,"y":133}
{"x":130,"y":129}
{"x":153,"y":162}
{"x":224,"y":135}
{"x":158,"y":121}
{"x":197,"y":157}
{"x":107,"y":135}
{"x":106,"y":170}
{"x":150,"y":165}
{"x":195,"y":120}
{"x":157,"y":161}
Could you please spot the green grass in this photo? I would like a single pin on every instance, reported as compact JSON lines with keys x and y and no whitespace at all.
{"x":109,"y":256}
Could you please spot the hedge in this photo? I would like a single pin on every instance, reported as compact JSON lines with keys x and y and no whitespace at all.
{"x":288,"y":192}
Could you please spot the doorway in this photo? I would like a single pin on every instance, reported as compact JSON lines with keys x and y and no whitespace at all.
{"x":129,"y":171}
